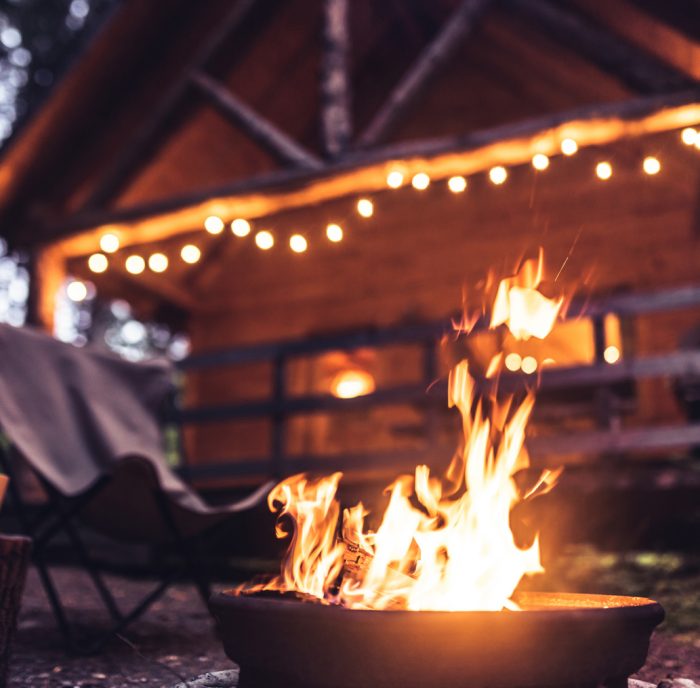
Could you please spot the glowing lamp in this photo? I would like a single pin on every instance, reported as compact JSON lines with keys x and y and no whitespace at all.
{"x":109,"y":243}
{"x":190,"y":253}
{"x":457,"y":184}
{"x":135,"y":265}
{"x":240,"y":227}
{"x":420,"y":181}
{"x":394,"y":179}
{"x":529,"y":365}
{"x":498,"y":175}
{"x":76,"y":291}
{"x":214,"y":224}
{"x":540,"y":161}
{"x":569,"y":146}
{"x":264,"y":240}
{"x":158,"y":262}
{"x":611,"y":354}
{"x":351,"y":383}
{"x":298,"y":243}
{"x":334,"y":233}
{"x":603,"y":170}
{"x":365,"y":207}
{"x":651,"y":165}
{"x":689,"y":136}
{"x":97,"y":262}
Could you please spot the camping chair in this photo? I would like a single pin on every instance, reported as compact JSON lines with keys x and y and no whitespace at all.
{"x":99,"y":478}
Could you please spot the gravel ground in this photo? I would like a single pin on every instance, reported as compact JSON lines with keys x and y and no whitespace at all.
{"x":176,"y":639}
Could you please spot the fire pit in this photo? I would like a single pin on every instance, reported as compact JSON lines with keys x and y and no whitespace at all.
{"x":556,"y":640}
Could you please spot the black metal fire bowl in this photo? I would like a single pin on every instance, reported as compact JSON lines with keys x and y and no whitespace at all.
{"x":558,"y":639}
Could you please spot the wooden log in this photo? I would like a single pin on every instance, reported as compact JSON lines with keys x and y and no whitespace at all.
{"x":336,"y":118}
{"x":274,"y":140}
{"x":14,"y":560}
{"x":412,"y":84}
{"x":144,"y":143}
{"x":630,"y":64}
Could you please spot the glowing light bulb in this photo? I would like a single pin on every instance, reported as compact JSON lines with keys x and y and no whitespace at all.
{"x":334,"y":233}
{"x":529,"y":365}
{"x":158,"y":262}
{"x":352,"y":383}
{"x":457,"y":184}
{"x":76,"y":291}
{"x":651,"y":165}
{"x":498,"y":175}
{"x":135,"y":265}
{"x":240,"y":227}
{"x":569,"y":146}
{"x":394,"y":179}
{"x":98,"y":262}
{"x":214,"y":224}
{"x":365,"y":207}
{"x":603,"y":170}
{"x":689,"y":136}
{"x":109,"y":243}
{"x":513,"y":361}
{"x":611,"y":354}
{"x":264,"y":240}
{"x":298,"y":243}
{"x":540,"y":161}
{"x":190,"y":253}
{"x":420,"y":181}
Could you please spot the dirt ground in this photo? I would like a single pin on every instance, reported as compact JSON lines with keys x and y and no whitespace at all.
{"x":176,"y":639}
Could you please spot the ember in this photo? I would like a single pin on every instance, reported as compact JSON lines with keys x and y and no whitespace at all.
{"x":444,"y":544}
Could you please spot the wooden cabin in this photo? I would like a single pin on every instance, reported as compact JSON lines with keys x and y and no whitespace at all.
{"x":184,"y":117}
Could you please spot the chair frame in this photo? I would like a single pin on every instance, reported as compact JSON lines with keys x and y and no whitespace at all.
{"x":58,"y":515}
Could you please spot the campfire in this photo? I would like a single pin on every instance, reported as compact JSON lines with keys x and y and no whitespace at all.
{"x":445,"y":544}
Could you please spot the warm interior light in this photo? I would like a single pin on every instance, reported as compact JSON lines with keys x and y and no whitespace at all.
{"x":529,"y":365}
{"x":651,"y":165}
{"x":603,"y":170}
{"x":97,"y":262}
{"x":190,"y":253}
{"x":240,"y":227}
{"x":394,"y":179}
{"x":457,"y":184}
{"x":540,"y":161}
{"x":420,"y":181}
{"x":513,"y":361}
{"x":214,"y":224}
{"x":109,"y":243}
{"x":135,"y":265}
{"x":158,"y":262}
{"x":76,"y":291}
{"x":264,"y":240}
{"x":611,"y":354}
{"x":334,"y":233}
{"x":689,"y":136}
{"x":352,"y":383}
{"x":365,"y":207}
{"x":298,"y":243}
{"x":498,"y":174}
{"x":569,"y":146}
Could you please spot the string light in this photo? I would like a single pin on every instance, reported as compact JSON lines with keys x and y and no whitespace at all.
{"x":513,"y":361}
{"x":365,"y":207}
{"x":158,"y":262}
{"x":689,"y":136}
{"x":611,"y":354}
{"x":569,"y":146}
{"x":394,"y":179}
{"x":135,"y":265}
{"x":334,"y":233}
{"x":240,"y":227}
{"x":190,"y":253}
{"x":603,"y":170}
{"x":457,"y":184}
{"x":498,"y":175}
{"x":214,"y":224}
{"x":264,"y":240}
{"x":651,"y":165}
{"x":529,"y":365}
{"x":76,"y":291}
{"x":98,"y":262}
{"x":109,"y":243}
{"x":298,"y":243}
{"x":420,"y":181}
{"x":540,"y":161}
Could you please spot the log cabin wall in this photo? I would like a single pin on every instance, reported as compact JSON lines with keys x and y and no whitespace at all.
{"x":412,"y":260}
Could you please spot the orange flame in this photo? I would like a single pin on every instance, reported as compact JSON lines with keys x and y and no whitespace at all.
{"x":443,"y":544}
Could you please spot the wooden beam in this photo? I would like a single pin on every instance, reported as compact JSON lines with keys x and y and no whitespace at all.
{"x":412,"y":84}
{"x":649,"y":33}
{"x":631,"y":65}
{"x":512,"y":144}
{"x":273,"y":139}
{"x":336,"y":101}
{"x":144,"y":144}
